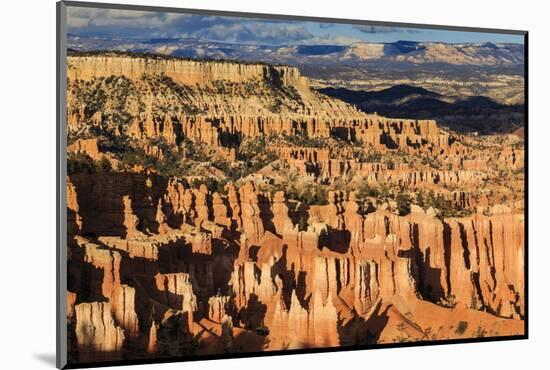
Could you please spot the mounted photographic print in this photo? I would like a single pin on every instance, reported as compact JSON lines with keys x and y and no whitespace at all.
{"x":234,"y":184}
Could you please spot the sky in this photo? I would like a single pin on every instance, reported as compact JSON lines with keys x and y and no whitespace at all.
{"x":114,"y":23}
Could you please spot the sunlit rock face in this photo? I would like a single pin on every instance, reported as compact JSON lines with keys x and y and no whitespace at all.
{"x":205,"y":218}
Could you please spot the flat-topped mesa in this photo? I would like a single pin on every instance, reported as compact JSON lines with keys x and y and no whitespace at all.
{"x":219,"y":103}
{"x":187,"y":72}
{"x":219,"y":88}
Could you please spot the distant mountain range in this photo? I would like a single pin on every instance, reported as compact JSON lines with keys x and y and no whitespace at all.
{"x":480,"y":54}
{"x":465,"y":114}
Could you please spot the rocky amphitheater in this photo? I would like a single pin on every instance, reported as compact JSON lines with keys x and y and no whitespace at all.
{"x":219,"y":207}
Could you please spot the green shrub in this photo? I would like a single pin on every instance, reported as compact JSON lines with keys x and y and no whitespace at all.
{"x":449,"y":301}
{"x":403,"y":204}
{"x":302,"y":223}
{"x":366,"y":190}
{"x":80,"y":163}
{"x":104,"y":165}
{"x":461,"y":327}
{"x":480,"y":332}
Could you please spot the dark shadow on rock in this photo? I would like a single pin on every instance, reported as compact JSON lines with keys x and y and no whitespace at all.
{"x":253,"y":314}
{"x":428,"y":279}
{"x":447,"y":252}
{"x":376,"y":322}
{"x":84,"y":278}
{"x":301,"y":289}
{"x":361,"y":331}
{"x":100,"y":208}
{"x":338,"y":240}
{"x":266,"y":214}
{"x":248,"y":341}
{"x":297,"y":211}
{"x":464,"y":242}
{"x":287,"y":276}
{"x":253,"y":253}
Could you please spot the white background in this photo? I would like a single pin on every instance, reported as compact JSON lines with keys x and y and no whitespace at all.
{"x":27,"y":181}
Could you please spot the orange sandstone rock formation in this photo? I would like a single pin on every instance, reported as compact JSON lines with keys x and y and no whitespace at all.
{"x":278,"y":220}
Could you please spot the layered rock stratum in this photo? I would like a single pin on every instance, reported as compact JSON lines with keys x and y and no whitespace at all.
{"x":224,"y":207}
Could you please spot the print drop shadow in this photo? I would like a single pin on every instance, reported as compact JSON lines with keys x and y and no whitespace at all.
{"x":46,"y":358}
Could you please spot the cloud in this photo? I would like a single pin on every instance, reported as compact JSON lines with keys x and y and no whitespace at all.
{"x":253,"y":32}
{"x":332,"y":40}
{"x":111,"y":22}
{"x":102,"y":18}
{"x":384,"y":29}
